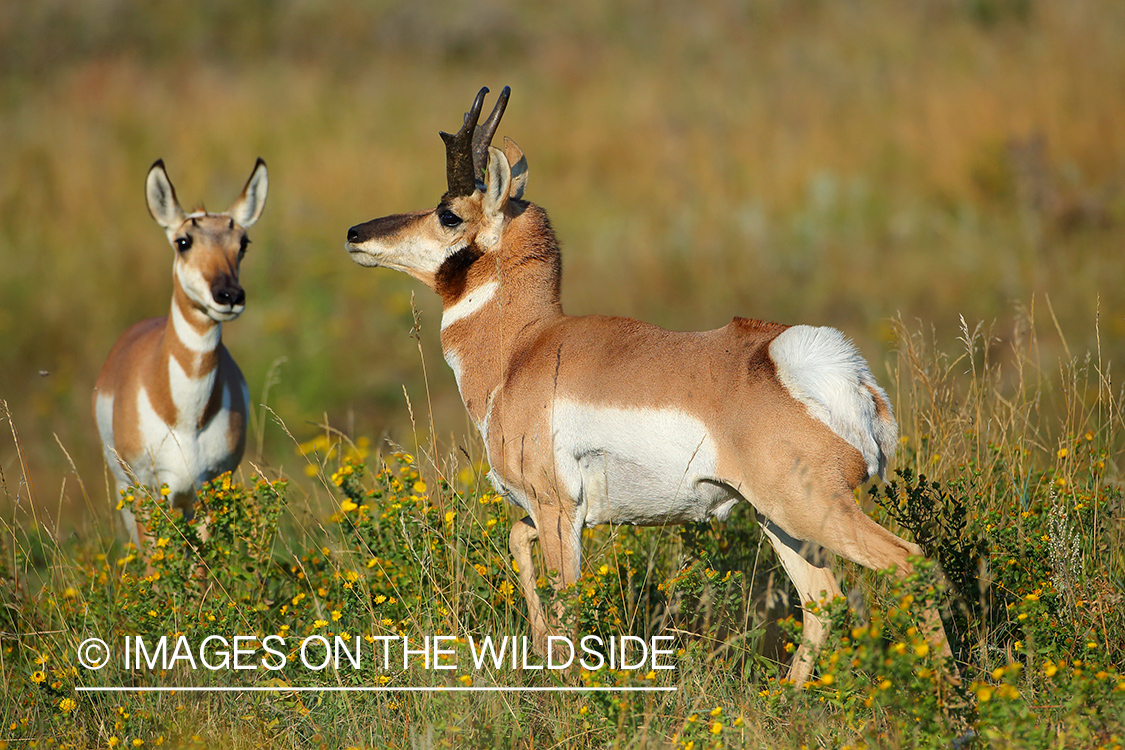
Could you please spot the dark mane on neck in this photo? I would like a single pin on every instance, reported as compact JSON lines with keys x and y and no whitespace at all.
{"x":453,"y":274}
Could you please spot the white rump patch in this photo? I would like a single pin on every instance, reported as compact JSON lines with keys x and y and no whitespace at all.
{"x":823,"y":370}
{"x":469,"y":303}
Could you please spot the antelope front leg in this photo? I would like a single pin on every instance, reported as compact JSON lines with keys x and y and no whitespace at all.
{"x":519,"y":543}
{"x":185,"y":502}
{"x":561,"y":555}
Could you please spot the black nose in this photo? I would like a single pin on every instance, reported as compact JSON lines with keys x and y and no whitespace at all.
{"x":353,"y":235}
{"x":230,"y":295}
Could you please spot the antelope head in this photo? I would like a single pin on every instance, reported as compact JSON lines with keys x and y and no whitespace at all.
{"x":485,"y":190}
{"x":209,"y":247}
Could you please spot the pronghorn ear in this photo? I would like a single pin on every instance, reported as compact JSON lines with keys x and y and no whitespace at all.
{"x":518,"y":164}
{"x":162,"y":203}
{"x":499,"y":178}
{"x":249,"y":205}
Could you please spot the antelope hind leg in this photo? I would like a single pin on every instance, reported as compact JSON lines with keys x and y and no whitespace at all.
{"x":814,"y":581}
{"x":846,"y":531}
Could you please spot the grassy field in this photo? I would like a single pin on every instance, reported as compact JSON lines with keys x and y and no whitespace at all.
{"x":940,"y":179}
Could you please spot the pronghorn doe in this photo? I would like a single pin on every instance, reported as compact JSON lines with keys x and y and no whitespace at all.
{"x":170,"y":402}
{"x":591,"y":420}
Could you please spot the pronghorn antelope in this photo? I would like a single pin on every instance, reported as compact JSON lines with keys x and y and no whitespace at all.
{"x":170,"y":402}
{"x":591,"y":420}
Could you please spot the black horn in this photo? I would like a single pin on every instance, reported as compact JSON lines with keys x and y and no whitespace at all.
{"x":482,"y":138}
{"x":459,"y":152}
{"x":466,"y":152}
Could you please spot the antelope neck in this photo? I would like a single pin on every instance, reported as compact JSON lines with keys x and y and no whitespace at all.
{"x":504,"y":299}
{"x":191,"y":342}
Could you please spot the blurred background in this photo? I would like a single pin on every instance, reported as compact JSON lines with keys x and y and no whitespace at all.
{"x":814,"y":162}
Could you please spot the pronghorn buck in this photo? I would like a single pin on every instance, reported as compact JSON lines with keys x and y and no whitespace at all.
{"x":170,"y":402}
{"x":591,"y":420}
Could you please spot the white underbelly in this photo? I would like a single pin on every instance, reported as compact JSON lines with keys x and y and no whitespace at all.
{"x":638,"y":466}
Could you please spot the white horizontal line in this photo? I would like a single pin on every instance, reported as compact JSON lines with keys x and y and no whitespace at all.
{"x":468,"y":304}
{"x":373,"y":689}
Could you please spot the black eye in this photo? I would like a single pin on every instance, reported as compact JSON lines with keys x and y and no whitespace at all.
{"x":448,"y":218}
{"x":242,"y":246}
{"x":183,"y":243}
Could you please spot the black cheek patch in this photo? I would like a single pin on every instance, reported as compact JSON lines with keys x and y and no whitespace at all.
{"x":451,"y":277}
